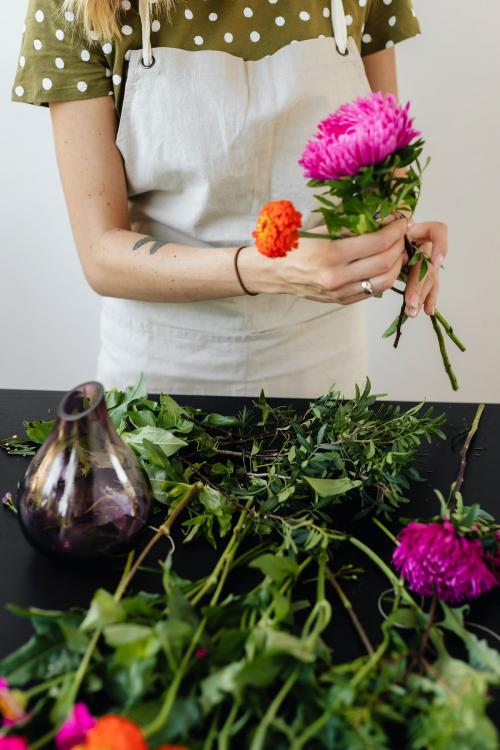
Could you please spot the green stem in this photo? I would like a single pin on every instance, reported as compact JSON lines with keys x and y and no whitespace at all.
{"x":444,"y":354}
{"x":385,"y":530}
{"x":127,"y":576}
{"x":449,"y":330}
{"x":224,"y":565}
{"x":225,"y":733}
{"x":43,"y":740}
{"x":350,"y":611}
{"x":43,"y":686}
{"x":260,"y":735}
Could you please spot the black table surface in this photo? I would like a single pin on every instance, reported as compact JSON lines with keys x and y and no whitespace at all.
{"x":29,"y":579}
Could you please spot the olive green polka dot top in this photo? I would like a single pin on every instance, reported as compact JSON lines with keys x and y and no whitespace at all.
{"x":57,"y":63}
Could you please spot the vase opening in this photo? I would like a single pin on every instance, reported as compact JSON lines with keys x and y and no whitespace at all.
{"x":81,"y":401}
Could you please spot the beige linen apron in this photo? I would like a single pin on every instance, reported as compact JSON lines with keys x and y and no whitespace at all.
{"x":207,"y":139}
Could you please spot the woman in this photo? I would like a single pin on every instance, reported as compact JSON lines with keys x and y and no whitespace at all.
{"x":174,"y":123}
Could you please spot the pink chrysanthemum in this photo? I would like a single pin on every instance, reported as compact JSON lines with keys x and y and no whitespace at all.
{"x":432,"y":558}
{"x":358,"y":134}
{"x":75,"y":729}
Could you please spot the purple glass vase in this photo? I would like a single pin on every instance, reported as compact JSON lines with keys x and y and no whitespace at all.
{"x":84,"y":493}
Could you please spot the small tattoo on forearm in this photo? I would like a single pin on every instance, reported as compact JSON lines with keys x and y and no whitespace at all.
{"x":157,"y":244}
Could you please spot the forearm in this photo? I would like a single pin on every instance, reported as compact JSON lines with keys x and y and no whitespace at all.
{"x":133,"y":266}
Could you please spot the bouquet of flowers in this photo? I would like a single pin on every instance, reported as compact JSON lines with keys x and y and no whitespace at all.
{"x":365,"y":158}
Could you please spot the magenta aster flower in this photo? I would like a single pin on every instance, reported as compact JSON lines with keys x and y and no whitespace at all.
{"x":13,"y":743}
{"x":75,"y":729}
{"x":358,"y":134}
{"x":432,"y":558}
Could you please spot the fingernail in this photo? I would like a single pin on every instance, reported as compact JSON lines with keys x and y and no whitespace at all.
{"x":433,"y":310}
{"x":439,"y":261}
{"x":412,"y":306}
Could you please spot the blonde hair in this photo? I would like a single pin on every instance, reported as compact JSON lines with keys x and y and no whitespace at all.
{"x":101,"y":17}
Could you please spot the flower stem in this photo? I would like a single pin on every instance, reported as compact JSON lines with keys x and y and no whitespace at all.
{"x":223,"y":566}
{"x":128,"y":574}
{"x":225,"y":733}
{"x":449,"y":330}
{"x":350,"y":611}
{"x":444,"y":354}
{"x":260,"y":735}
{"x":463,"y":453}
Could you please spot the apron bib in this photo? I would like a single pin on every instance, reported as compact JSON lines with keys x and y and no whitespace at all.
{"x":207,"y":139}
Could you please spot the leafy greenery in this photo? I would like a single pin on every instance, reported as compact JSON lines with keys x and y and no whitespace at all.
{"x":247,"y":656}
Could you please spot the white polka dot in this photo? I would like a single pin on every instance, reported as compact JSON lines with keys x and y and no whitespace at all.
{"x":254,"y":36}
{"x":128,"y":55}
{"x":47,"y":84}
{"x":126,"y":4}
{"x":37,"y":44}
{"x":19,"y":91}
{"x":212,"y":16}
{"x":155,"y":26}
{"x":127,"y":30}
{"x":362,"y":3}
{"x":304,"y":15}
{"x":108,"y":73}
{"x":82,"y":86}
{"x":59,"y":63}
{"x":40,"y":16}
{"x":322,"y":36}
{"x":392,"y":21}
{"x":279,"y":21}
{"x":22,"y":61}
{"x":326,"y":12}
{"x":387,"y":2}
{"x":117,"y":79}
{"x":248,"y":12}
{"x":107,"y":48}
{"x":198,"y":40}
{"x":348,"y":20}
{"x":85,"y":55}
{"x":60,"y":34}
{"x":69,"y":16}
{"x":94,"y":36}
{"x":228,"y":37}
{"x":188,"y":13}
{"x":110,"y":93}
{"x":389,"y":44}
{"x":367,"y":38}
{"x":273,"y":2}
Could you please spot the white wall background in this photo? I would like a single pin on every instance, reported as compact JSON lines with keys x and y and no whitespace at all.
{"x":49,"y":316}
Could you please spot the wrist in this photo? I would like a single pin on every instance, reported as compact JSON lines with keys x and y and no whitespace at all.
{"x":258,"y":273}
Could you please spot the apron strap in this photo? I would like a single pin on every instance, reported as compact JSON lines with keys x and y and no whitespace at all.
{"x":147,"y":53}
{"x":339,"y":26}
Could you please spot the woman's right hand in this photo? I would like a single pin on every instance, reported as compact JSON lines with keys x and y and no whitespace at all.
{"x":332,"y":270}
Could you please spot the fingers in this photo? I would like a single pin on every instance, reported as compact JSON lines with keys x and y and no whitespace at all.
{"x":375,"y":265}
{"x":434,"y":232}
{"x":417,"y":292}
{"x":379,"y":283}
{"x":354,"y":248}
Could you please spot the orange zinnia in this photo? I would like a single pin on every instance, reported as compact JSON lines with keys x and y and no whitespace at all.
{"x":114,"y":733}
{"x":277,"y":229}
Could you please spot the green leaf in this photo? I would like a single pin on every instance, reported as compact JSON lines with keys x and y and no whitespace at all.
{"x":103,"y":610}
{"x":163,"y":439}
{"x":277,"y":568}
{"x":122,"y":634}
{"x":39,"y":431}
{"x":333,"y":487}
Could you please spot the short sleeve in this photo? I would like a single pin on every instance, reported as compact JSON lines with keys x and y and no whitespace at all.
{"x":56,"y":63}
{"x":387,"y":23}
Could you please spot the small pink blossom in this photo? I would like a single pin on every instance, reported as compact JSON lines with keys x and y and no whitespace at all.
{"x":13,"y":743}
{"x":201,"y":653}
{"x":434,"y":559}
{"x":75,"y":728}
{"x":358,"y":134}
{"x":7,"y":499}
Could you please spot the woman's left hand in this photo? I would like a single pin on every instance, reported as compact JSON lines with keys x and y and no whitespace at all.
{"x":431,"y":237}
